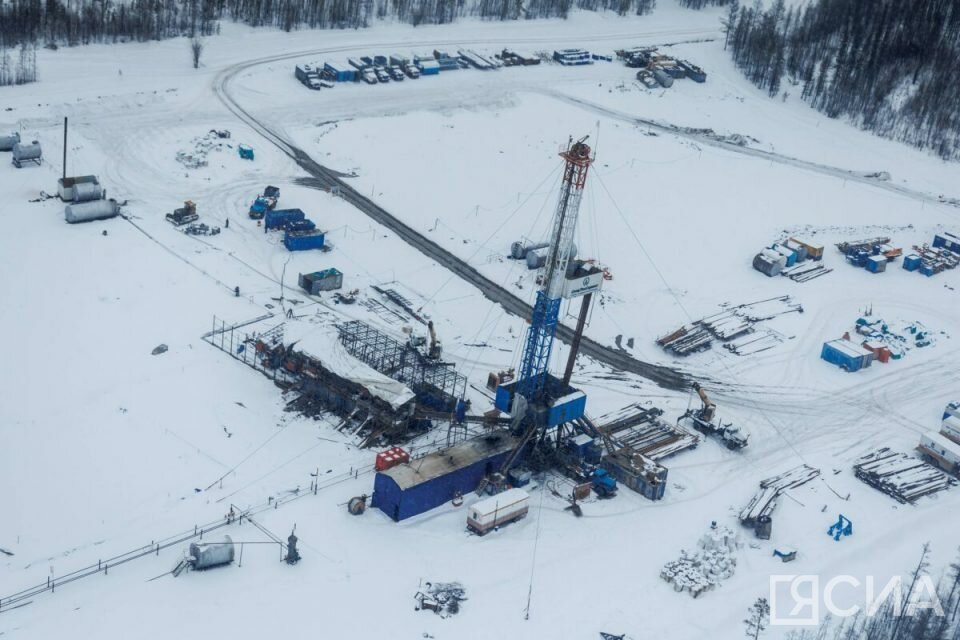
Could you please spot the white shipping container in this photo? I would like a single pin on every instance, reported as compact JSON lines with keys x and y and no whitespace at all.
{"x":496,"y":510}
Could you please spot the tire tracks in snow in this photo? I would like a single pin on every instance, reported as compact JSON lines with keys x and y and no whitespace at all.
{"x":326,"y":178}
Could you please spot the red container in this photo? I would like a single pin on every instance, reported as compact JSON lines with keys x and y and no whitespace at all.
{"x":390,"y":458}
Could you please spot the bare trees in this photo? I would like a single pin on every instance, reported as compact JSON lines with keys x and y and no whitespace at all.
{"x":196,"y":48}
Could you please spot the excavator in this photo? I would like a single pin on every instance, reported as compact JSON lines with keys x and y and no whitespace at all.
{"x":705,"y":420}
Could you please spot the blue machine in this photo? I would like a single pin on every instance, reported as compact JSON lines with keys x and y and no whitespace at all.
{"x":246,"y":152}
{"x":842,"y":527}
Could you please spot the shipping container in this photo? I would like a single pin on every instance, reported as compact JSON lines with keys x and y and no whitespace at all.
{"x":797,"y":248}
{"x":790,"y":255}
{"x":694,"y":72}
{"x":303,"y":240}
{"x":572,"y":57}
{"x":567,"y":408}
{"x":420,"y":485}
{"x":390,"y":458}
{"x":326,"y":280}
{"x":880,"y":351}
{"x":814,"y":251}
{"x":639,"y":473}
{"x":278,"y":218}
{"x":941,"y":451}
{"x":340,"y":71}
{"x":912,"y":262}
{"x":952,"y":409}
{"x":498,"y":510}
{"x":846,"y":355}
{"x":876,"y":264}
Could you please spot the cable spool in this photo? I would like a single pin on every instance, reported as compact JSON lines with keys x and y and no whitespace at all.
{"x":357,"y":505}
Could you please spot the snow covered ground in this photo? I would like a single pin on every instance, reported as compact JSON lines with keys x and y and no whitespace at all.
{"x":107,"y":448}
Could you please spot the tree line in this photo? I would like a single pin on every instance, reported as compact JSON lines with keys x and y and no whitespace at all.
{"x":54,"y":23}
{"x":889,"y":66}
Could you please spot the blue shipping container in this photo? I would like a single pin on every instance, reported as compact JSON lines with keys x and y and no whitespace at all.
{"x":911,"y":262}
{"x":278,"y":218}
{"x":303,"y":240}
{"x":846,"y":355}
{"x":567,"y":409}
{"x":947,"y":241}
{"x":340,"y":72}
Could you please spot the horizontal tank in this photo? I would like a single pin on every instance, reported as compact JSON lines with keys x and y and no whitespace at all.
{"x":87,"y":211}
{"x":87,"y":191}
{"x":536,"y":258}
{"x":663,"y":78}
{"x":7,"y":141}
{"x":205,"y":556}
{"x":26,"y":151}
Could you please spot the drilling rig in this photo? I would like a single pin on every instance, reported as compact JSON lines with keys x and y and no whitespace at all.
{"x":538,"y":401}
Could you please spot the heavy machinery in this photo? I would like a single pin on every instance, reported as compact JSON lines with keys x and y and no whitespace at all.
{"x":184,"y":215}
{"x":265,"y":202}
{"x":432,"y":349}
{"x":705,"y":420}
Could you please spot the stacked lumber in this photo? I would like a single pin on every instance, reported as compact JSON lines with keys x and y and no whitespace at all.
{"x":765,"y":500}
{"x":901,"y":476}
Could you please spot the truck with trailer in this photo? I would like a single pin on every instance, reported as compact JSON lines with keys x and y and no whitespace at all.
{"x":497,"y":510}
{"x":308,"y":76}
{"x":339,"y":71}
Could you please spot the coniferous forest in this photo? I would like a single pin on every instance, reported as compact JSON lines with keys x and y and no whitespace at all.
{"x":890,"y":66}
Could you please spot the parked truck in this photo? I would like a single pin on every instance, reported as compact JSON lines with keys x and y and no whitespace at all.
{"x":500,"y":509}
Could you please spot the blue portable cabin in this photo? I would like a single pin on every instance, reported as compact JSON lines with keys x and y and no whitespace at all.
{"x":300,"y":225}
{"x":927,"y":269}
{"x":912,"y":262}
{"x":245,"y":152}
{"x":428,"y":66}
{"x":572,"y":57}
{"x":846,"y":355}
{"x":947,"y":241}
{"x":303,"y":240}
{"x":339,"y":71}
{"x":787,"y":253}
{"x":278,"y":218}
{"x":876,"y":264}
{"x":418,"y":486}
{"x":694,"y":72}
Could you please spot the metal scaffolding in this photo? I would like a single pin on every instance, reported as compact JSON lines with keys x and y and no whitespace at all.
{"x":437,"y":384}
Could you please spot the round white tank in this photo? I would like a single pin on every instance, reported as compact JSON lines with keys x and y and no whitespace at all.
{"x":87,"y":211}
{"x":536,"y":258}
{"x":7,"y":141}
{"x":29,"y":151}
{"x":86,"y":191}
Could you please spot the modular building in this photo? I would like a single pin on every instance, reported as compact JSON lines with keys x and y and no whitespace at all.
{"x":946,"y":241}
{"x":943,"y":451}
{"x":572,"y":57}
{"x":568,"y":405}
{"x":912,"y":262}
{"x":814,"y":251}
{"x":326,"y":280}
{"x":500,"y":509}
{"x":339,"y":71}
{"x":950,"y":427}
{"x":876,"y":264}
{"x":418,"y":486}
{"x":303,"y":240}
{"x":846,"y":355}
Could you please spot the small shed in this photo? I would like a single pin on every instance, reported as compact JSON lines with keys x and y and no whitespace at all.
{"x":876,"y":264}
{"x":880,"y":351}
{"x":912,"y":262}
{"x":418,"y":486}
{"x":326,"y":280}
{"x":846,"y":355}
{"x":814,"y":251}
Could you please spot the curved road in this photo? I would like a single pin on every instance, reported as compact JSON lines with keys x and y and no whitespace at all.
{"x":326,"y":178}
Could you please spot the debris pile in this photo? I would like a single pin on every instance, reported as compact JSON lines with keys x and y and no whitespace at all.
{"x":900,"y":476}
{"x":443,"y":598}
{"x":704,"y":569}
{"x":196,"y":157}
{"x":201,"y":229}
{"x":758,"y":513}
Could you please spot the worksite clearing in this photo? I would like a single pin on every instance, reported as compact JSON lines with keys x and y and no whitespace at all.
{"x":116,"y":448}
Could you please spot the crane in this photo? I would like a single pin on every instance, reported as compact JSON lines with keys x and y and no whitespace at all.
{"x":704,"y":420}
{"x":536,"y":400}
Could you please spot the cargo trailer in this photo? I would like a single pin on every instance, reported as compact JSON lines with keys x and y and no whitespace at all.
{"x":278,"y":218}
{"x":941,"y":451}
{"x":339,"y":71}
{"x":326,"y":280}
{"x":303,"y":240}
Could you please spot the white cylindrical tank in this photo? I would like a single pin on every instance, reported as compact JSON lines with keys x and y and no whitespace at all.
{"x":87,"y":191}
{"x":536,"y":258}
{"x":94,"y":210}
{"x":30,"y":151}
{"x":7,"y":141}
{"x":212,"y":554}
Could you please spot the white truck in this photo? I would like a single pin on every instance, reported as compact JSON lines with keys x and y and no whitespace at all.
{"x":497,"y":510}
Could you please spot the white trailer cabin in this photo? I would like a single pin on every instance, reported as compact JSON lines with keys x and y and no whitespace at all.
{"x":943,"y":451}
{"x":497,"y":510}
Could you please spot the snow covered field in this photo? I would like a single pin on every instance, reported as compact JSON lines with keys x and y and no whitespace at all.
{"x":107,"y":448}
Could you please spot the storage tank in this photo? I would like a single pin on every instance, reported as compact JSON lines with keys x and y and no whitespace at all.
{"x":536,"y":258}
{"x":519,"y":250}
{"x":212,"y":554}
{"x":663,"y":78}
{"x":26,"y":152}
{"x":7,"y":141}
{"x":87,"y":191}
{"x":94,"y":210}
